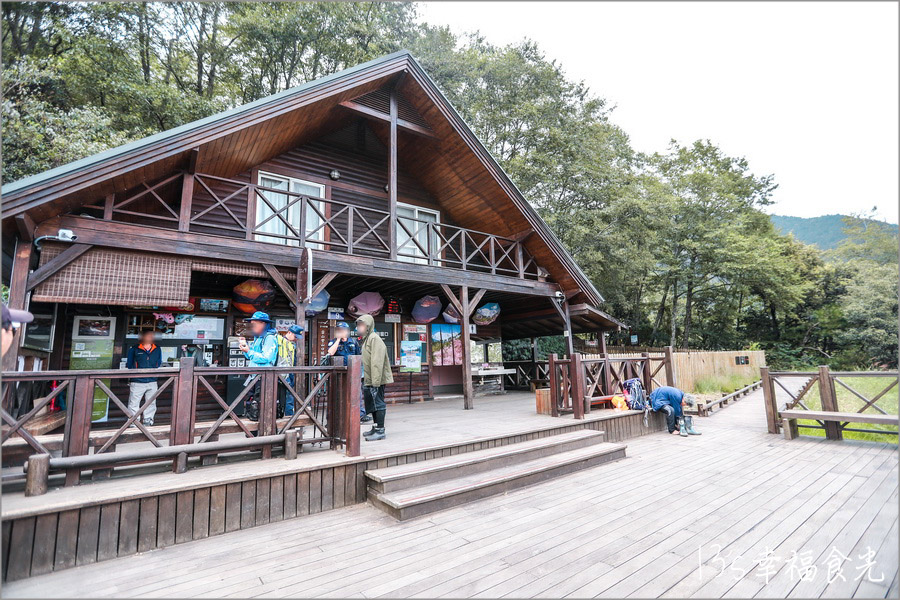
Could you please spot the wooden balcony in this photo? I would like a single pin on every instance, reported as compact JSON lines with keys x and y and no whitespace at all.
{"x":212,"y":205}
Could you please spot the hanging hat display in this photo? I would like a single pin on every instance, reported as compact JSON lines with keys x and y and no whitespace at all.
{"x":253,"y":295}
{"x":318,"y":303}
{"x":451,"y":315}
{"x":426,"y":309}
{"x":487,"y":314}
{"x":367,"y":303}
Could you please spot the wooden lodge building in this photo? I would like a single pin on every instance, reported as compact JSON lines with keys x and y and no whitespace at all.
{"x":366,"y":180}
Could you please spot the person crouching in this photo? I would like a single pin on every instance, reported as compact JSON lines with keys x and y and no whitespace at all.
{"x":376,"y":374}
{"x":671,"y":400}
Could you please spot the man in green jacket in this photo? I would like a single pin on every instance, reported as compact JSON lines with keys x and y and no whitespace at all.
{"x":376,"y":374}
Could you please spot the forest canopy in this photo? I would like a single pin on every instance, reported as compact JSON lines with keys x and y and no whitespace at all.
{"x":676,"y":241}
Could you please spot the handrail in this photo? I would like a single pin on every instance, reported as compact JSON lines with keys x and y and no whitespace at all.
{"x":325,"y":398}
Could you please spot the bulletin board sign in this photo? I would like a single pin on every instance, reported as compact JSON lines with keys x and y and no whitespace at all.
{"x":410,"y":356}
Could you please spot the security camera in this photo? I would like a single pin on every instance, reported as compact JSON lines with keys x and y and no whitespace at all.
{"x":66,"y":235}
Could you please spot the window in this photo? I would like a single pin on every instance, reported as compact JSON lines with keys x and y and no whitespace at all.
{"x":275,"y":225}
{"x":411,"y":221}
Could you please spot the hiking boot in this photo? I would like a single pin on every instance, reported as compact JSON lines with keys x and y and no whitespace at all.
{"x":370,"y":432}
{"x":148,"y":423}
{"x":365,"y":419}
{"x":378,"y":434}
{"x":689,"y":425}
{"x":682,"y":431}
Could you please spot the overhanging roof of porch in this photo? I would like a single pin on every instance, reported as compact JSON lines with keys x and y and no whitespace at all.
{"x":542,"y":322}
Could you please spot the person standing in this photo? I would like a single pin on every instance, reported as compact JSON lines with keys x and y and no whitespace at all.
{"x":144,"y":355}
{"x":344,"y":345}
{"x":261,"y":352}
{"x":376,"y":374}
{"x":287,"y":357}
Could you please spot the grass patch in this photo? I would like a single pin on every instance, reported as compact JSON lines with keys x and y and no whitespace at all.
{"x":848,"y":402}
{"x":715,"y":384}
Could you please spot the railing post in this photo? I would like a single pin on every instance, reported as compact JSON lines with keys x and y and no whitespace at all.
{"x":78,"y":424}
{"x":607,"y":375}
{"x":251,"y":210}
{"x":429,"y":247}
{"x":493,"y":254}
{"x":350,"y":230}
{"x":554,"y":386}
{"x":268,"y":399}
{"x":645,"y":372}
{"x":520,"y":260}
{"x":828,"y":397}
{"x":670,"y":367}
{"x":350,"y":401}
{"x":768,"y":387}
{"x":182,"y":429}
{"x":36,"y":479}
{"x":576,"y":377}
{"x":303,"y":202}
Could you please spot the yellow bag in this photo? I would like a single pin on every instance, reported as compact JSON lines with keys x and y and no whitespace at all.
{"x":619,"y":403}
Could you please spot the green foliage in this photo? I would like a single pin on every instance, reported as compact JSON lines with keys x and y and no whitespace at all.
{"x":722,"y":383}
{"x":824,"y":232}
{"x":676,"y":241}
{"x":849,"y":402}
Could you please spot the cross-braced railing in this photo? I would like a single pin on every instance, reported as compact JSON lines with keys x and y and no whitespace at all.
{"x":321,"y":397}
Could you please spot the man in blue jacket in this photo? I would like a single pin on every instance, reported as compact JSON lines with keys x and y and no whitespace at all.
{"x":345,"y":345}
{"x":145,"y":355}
{"x":670,"y":401}
{"x":261,"y":352}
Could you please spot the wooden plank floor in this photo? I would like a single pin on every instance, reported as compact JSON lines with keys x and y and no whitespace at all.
{"x":640,"y":527}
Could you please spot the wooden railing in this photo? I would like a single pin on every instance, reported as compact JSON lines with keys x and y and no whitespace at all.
{"x":789,"y":395}
{"x":326,"y":400}
{"x":220,"y":206}
{"x":528,"y":374}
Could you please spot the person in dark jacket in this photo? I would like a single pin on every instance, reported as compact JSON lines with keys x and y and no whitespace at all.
{"x":145,"y":355}
{"x":670,"y":401}
{"x":344,"y":345}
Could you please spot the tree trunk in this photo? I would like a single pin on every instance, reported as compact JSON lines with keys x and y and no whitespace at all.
{"x":688,"y":305}
{"x":660,"y":312}
{"x":674,"y":315}
{"x":775,"y":330}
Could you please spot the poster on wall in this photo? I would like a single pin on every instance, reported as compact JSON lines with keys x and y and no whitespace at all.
{"x":92,"y":348}
{"x":410,"y":356}
{"x":446,"y":345}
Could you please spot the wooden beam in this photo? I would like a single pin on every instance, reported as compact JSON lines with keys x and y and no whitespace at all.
{"x":522,"y":235}
{"x":286,"y":288}
{"x":187,"y":198}
{"x":468,"y":389}
{"x":17,"y":280}
{"x":452,"y":297}
{"x":300,"y":317}
{"x":26,"y":227}
{"x":473,"y":304}
{"x":401,"y":123}
{"x":322,"y":284}
{"x":108,"y":205}
{"x":392,"y":174}
{"x":55,"y":264}
{"x":193,"y":158}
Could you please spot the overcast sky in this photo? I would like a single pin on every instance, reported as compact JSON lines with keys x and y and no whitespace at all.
{"x":807,"y":91}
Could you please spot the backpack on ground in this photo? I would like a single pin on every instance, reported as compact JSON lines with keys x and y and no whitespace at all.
{"x":637,"y":398}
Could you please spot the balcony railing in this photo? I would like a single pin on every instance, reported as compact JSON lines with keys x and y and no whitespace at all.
{"x":241,"y":209}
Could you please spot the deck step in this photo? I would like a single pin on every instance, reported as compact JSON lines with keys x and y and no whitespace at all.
{"x":392,"y":479}
{"x":416,"y":501}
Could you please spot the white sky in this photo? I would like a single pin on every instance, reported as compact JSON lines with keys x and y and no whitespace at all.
{"x":807,"y":91}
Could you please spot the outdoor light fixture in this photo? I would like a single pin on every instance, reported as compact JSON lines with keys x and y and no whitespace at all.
{"x":387,"y":188}
{"x":63,"y":235}
{"x":335,"y":174}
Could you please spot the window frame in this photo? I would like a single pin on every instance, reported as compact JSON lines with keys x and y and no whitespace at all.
{"x":293,"y":212}
{"x":421,"y":260}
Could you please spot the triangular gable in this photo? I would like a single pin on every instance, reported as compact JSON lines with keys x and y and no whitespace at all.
{"x":447,"y":151}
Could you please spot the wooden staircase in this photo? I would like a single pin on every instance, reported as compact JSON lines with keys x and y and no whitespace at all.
{"x":411,"y":490}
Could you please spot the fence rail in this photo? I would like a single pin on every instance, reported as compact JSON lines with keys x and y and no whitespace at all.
{"x":325,"y":400}
{"x":789,"y":397}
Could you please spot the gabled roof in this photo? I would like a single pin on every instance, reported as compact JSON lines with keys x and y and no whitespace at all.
{"x":481,"y":196}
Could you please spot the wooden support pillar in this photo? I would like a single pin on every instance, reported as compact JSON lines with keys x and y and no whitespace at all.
{"x":646,"y":377}
{"x":392,"y":173}
{"x":769,"y":401}
{"x":828,"y":396}
{"x":182,"y":428}
{"x":468,"y":389}
{"x":576,"y":385}
{"x":267,"y":402}
{"x":187,"y":197}
{"x":670,"y":367}
{"x":554,"y":386}
{"x":38,"y":474}
{"x":78,"y":424}
{"x":352,"y":390}
{"x":602,"y":344}
{"x":18,"y":281}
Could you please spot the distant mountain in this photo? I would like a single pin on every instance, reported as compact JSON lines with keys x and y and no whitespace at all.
{"x":826,"y":232}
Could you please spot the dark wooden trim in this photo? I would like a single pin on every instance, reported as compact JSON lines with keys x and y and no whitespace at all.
{"x":452,"y":297}
{"x":25,"y":225}
{"x":473,"y":303}
{"x":392,"y":173}
{"x":286,"y":288}
{"x":187,"y":197}
{"x":54,"y":265}
{"x":18,"y":280}
{"x":322,"y":284}
{"x":401,"y":123}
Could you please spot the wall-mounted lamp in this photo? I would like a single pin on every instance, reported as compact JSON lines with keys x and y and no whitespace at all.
{"x":63,"y":235}
{"x":387,"y":188}
{"x":335,"y":174}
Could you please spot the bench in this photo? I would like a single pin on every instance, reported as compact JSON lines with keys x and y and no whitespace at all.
{"x":791,"y":430}
{"x":41,"y":424}
{"x":17,"y":449}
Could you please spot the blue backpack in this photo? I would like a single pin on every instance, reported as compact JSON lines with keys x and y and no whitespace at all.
{"x":637,"y":398}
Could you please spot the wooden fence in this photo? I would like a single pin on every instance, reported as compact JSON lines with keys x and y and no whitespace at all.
{"x":789,"y":398}
{"x":329,"y":407}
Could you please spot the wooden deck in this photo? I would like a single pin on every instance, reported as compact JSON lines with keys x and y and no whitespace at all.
{"x":630,"y":528}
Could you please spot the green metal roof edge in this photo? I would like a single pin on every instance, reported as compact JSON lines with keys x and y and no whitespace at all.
{"x":125,"y":149}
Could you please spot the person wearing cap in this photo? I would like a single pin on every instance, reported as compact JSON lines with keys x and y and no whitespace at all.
{"x":287,"y":357}
{"x":144,"y":355}
{"x":261,"y":352}
{"x":344,"y":345}
{"x":12,"y":319}
{"x":671,"y":400}
{"x":376,"y":374}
